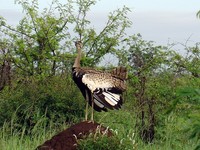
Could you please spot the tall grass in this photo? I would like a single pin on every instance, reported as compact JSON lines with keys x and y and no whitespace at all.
{"x":120,"y":122}
{"x":32,"y":113}
{"x":15,"y":139}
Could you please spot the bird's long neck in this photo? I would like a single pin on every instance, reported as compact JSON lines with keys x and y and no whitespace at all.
{"x":78,"y":57}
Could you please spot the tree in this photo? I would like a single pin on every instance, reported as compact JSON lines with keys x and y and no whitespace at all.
{"x":42,"y":42}
{"x":188,"y":64}
{"x":5,"y":65}
{"x":146,"y":62}
{"x":35,"y":48}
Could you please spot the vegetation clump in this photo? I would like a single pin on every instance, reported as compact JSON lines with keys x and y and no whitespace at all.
{"x":38,"y":98}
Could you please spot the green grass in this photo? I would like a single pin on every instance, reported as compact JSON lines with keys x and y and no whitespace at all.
{"x":121,"y":122}
{"x":170,"y":137}
{"x":12,"y":139}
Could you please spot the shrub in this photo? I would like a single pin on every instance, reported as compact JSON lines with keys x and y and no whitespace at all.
{"x":99,"y":141}
{"x":55,"y":99}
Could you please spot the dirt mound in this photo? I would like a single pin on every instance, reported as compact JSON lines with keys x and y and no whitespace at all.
{"x":67,"y":139}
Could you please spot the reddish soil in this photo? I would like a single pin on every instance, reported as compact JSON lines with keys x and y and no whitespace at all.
{"x":67,"y":139}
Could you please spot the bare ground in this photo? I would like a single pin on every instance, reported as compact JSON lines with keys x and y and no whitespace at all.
{"x":67,"y":139}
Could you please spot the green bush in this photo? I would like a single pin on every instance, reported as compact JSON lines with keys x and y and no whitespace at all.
{"x":52,"y":99}
{"x":102,"y":142}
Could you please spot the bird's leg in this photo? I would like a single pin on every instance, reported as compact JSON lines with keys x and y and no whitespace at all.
{"x":92,"y":114}
{"x":86,"y":109}
{"x":86,"y":112}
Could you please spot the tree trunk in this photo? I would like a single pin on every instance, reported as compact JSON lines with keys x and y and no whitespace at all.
{"x":5,"y":77}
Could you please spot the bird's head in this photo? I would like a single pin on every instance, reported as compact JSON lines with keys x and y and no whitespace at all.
{"x":78,"y":44}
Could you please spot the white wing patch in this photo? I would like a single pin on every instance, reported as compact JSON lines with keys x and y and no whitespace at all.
{"x":116,"y":97}
{"x":111,"y":98}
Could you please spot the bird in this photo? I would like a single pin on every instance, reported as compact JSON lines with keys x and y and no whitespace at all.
{"x":102,"y":90}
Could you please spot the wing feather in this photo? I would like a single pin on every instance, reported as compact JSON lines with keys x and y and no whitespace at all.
{"x":108,"y":99}
{"x":96,"y":81}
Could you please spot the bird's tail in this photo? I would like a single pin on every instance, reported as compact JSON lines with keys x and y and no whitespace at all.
{"x":120,"y":72}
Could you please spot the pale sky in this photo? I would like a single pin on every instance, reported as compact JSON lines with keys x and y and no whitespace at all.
{"x":157,"y":20}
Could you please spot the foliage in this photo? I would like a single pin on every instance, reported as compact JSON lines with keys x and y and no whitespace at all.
{"x":11,"y":138}
{"x":35,"y":48}
{"x":38,"y":96}
{"x":192,"y":99}
{"x":103,"y":142}
{"x":41,"y":41}
{"x":189,"y":64}
{"x":121,"y":122}
{"x":146,"y":62}
{"x":99,"y":142}
{"x":30,"y":101}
